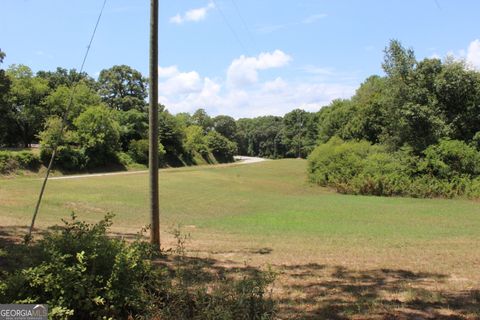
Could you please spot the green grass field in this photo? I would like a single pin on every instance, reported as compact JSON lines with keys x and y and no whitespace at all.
{"x":268,"y":213}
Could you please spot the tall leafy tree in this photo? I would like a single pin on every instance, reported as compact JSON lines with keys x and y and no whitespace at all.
{"x":457,"y":90}
{"x":5,"y":120}
{"x":261,"y":136}
{"x":133,"y":126}
{"x":58,"y":101}
{"x":411,"y":112}
{"x":26,"y":108}
{"x":98,"y":135}
{"x":202,"y":119}
{"x":226,"y":126}
{"x":67,"y":78}
{"x":171,"y":133}
{"x":299,"y":132}
{"x":123,"y":88}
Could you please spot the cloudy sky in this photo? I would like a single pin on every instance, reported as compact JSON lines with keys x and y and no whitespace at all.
{"x":241,"y":57}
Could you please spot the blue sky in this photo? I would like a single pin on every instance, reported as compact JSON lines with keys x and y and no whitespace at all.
{"x":241,"y":57}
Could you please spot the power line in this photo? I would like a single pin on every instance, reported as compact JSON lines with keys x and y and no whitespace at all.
{"x":230,"y":27}
{"x":244,"y":24}
{"x":63,"y":125}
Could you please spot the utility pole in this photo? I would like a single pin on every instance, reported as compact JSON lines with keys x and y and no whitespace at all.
{"x":153,"y":127}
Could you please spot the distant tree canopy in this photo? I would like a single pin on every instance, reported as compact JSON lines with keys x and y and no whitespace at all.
{"x":123,"y":88}
{"x":415,"y":105}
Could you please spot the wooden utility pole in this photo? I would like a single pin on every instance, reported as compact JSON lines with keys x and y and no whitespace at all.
{"x":153,"y":127}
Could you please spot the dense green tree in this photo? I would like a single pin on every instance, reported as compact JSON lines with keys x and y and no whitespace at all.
{"x":226,"y":126}
{"x":299,"y":132}
{"x":67,"y":78}
{"x":25,"y":104}
{"x":123,"y":88}
{"x":5,"y":120}
{"x":184,"y":118}
{"x":133,"y":126}
{"x":334,"y":120}
{"x":222,"y":148}
{"x":368,"y":120}
{"x":398,"y":62}
{"x":458,"y":94}
{"x":54,"y":134}
{"x":98,"y":134}
{"x":202,"y":119}
{"x":195,"y":140}
{"x":60,"y":101}
{"x":171,"y":133}
{"x":261,"y":136}
{"x":138,"y":151}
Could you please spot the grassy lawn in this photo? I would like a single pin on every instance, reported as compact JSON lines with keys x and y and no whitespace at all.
{"x":337,"y":255}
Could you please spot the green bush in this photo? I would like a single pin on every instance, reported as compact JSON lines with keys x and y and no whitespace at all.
{"x":124,"y":159}
{"x":337,"y":162}
{"x":98,"y":135}
{"x":138,"y":151}
{"x":451,"y":158}
{"x":82,"y":273}
{"x":68,"y":157}
{"x":11,"y":161}
{"x":8,"y":163}
{"x":195,"y":140}
{"x":27,"y":160}
{"x":85,"y":273}
{"x":221,"y":148}
{"x":448,"y":169}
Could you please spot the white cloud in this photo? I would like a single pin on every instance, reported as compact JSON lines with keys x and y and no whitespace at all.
{"x":194,"y":15}
{"x":167,"y":72}
{"x":473,"y":53}
{"x":187,"y":91}
{"x":275,"y":86}
{"x":471,"y":56}
{"x":244,"y":70}
{"x":178,"y":83}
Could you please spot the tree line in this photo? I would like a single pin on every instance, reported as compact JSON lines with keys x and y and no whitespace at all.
{"x":106,"y":122}
{"x":414,"y":131}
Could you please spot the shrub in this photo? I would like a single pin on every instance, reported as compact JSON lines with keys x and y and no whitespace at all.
{"x":85,"y":273}
{"x":124,"y":159}
{"x":138,"y":151}
{"x":337,"y":161}
{"x":221,"y":148}
{"x":27,"y":160}
{"x":195,"y":140}
{"x":8,"y":163}
{"x":447,"y":170}
{"x":11,"y":161}
{"x":68,"y":157}
{"x":98,"y":135}
{"x":451,"y":158}
{"x":82,"y":273}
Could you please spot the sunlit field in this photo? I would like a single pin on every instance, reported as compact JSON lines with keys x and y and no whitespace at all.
{"x":336,"y":255}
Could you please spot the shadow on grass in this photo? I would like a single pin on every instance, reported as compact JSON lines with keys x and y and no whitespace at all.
{"x":334,"y":292}
{"x":318,"y":291}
